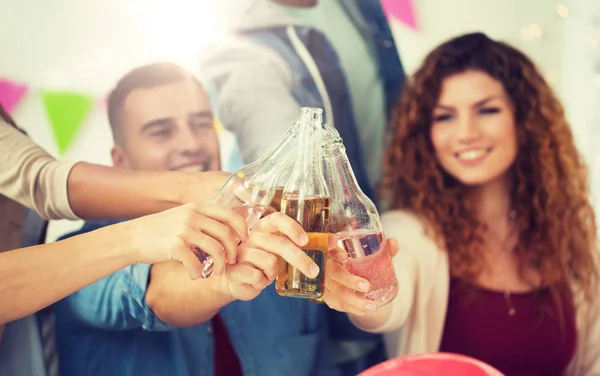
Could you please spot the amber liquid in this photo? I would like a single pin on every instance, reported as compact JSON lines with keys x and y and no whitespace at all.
{"x":276,"y":203}
{"x":313,"y":214}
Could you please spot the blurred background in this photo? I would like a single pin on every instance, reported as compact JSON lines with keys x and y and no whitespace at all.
{"x":58,"y":59}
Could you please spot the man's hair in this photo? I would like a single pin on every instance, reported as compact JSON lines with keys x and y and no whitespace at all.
{"x":144,"y":77}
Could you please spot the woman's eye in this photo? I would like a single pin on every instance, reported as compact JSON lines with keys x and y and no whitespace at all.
{"x":444,"y":117}
{"x":489,"y":110}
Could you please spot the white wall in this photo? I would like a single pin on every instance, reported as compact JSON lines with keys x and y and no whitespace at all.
{"x":441,"y":20}
{"x":580,"y":81}
{"x":87,"y":45}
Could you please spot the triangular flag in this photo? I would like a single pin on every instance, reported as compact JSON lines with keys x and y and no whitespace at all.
{"x":403,"y":10}
{"x":11,"y":94}
{"x":66,"y":112}
{"x":103,"y":102}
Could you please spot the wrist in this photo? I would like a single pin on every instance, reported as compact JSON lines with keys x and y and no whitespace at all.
{"x":192,"y":187}
{"x":119,"y":245}
{"x":124,"y":242}
{"x":167,"y":188}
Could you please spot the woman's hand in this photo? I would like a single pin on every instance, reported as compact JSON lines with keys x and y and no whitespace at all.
{"x":175,"y":233}
{"x":345,"y":291}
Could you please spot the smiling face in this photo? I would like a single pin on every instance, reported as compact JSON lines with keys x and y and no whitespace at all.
{"x":168,"y":127}
{"x":473,"y":130}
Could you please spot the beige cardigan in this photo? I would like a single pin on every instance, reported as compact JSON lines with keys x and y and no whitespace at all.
{"x":418,"y":312}
{"x":31,"y":177}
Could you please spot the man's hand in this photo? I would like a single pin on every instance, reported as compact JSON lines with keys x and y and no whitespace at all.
{"x":258,"y":264}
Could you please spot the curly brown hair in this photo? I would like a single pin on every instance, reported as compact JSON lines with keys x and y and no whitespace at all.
{"x":555,"y":222}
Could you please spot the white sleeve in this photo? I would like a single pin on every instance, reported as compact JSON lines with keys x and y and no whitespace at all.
{"x":254,"y":93}
{"x":587,"y":356}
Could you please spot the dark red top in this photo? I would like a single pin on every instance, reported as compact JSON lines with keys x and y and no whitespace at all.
{"x":533,"y":341}
{"x":226,"y":359}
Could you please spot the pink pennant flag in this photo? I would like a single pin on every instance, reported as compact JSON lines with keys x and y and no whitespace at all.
{"x":11,"y":94}
{"x":103,"y":102}
{"x":402,"y":10}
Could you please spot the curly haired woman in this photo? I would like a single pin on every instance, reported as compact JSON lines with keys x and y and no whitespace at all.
{"x":489,"y":199}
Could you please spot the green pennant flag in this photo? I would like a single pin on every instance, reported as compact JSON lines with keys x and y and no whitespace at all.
{"x":66,"y":112}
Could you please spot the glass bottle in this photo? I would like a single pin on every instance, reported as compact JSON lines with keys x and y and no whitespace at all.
{"x":250,"y":190}
{"x":329,"y":134}
{"x":305,"y":198}
{"x":355,"y":222}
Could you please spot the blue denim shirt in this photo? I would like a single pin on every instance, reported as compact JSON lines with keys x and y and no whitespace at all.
{"x":108,"y":329}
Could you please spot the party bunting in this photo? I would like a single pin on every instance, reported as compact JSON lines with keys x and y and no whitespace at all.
{"x":66,"y":113}
{"x":11,"y":94}
{"x":402,"y":10}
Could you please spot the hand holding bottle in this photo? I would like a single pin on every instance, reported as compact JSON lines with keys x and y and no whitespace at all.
{"x":344,"y":291}
{"x":257,"y":266}
{"x":174,"y":233}
{"x":355,"y":221}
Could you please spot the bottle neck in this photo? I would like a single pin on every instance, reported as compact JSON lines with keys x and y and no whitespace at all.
{"x":308,"y":161}
{"x":340,"y":164}
{"x":282,"y":148}
{"x":310,"y":147}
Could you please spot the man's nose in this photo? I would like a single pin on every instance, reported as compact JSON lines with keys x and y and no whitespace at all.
{"x":187,"y":140}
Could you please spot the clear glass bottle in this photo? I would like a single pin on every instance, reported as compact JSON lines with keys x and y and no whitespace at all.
{"x":355,"y":222}
{"x":250,"y":190}
{"x":305,"y":198}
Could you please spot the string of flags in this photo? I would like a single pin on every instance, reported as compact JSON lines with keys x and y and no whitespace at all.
{"x":66,"y":110}
{"x":401,"y":10}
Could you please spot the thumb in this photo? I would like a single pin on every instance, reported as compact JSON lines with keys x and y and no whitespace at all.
{"x":393,"y":246}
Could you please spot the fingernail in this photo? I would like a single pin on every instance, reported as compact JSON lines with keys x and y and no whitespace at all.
{"x":314,"y":270}
{"x":303,"y":239}
{"x":370,"y":307}
{"x":363,"y":286}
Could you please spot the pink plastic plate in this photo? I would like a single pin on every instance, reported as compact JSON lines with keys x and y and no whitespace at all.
{"x":434,"y":364}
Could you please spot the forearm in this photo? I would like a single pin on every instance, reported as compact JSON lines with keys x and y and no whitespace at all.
{"x":181,"y":302}
{"x":101,"y":192}
{"x":35,"y":277}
